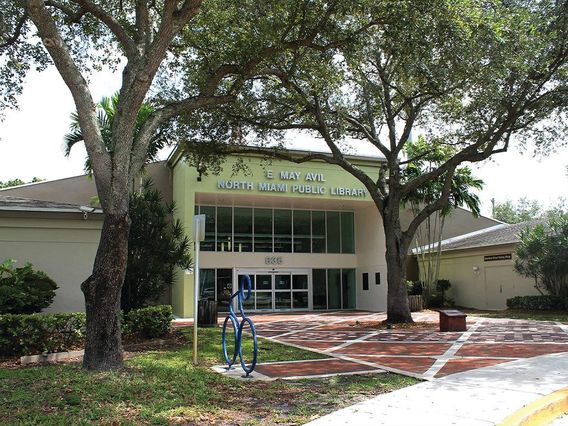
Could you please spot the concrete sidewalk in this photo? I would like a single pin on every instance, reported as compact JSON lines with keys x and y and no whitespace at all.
{"x":484,"y":396}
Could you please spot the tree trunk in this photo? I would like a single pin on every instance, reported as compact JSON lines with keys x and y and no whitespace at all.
{"x":102,"y":290}
{"x":398,"y":310}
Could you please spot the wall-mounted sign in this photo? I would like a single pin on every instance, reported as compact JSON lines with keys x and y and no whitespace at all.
{"x":300,"y":183}
{"x":494,"y":257}
{"x":273,"y":260}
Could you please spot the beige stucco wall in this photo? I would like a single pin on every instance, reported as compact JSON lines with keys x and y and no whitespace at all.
{"x":483,"y":284}
{"x":63,"y":246}
{"x":370,"y":249}
{"x":369,"y":239}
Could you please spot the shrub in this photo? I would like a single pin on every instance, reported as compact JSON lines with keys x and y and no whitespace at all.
{"x":23,"y":290}
{"x":538,"y":303}
{"x":414,"y":288}
{"x":443,"y":285}
{"x":22,"y":334}
{"x":30,"y":334}
{"x":153,"y":321}
{"x":436,"y":300}
{"x":157,"y":244}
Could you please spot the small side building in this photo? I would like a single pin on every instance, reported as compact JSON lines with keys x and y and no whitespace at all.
{"x":60,"y":239}
{"x":479,"y":266}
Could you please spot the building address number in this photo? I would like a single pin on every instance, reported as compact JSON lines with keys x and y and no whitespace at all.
{"x":273,"y":260}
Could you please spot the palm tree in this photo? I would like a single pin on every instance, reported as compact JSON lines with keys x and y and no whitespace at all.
{"x":424,"y":157}
{"x":106,"y":110}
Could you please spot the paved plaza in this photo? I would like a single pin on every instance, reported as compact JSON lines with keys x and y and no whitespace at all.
{"x":357,"y":345}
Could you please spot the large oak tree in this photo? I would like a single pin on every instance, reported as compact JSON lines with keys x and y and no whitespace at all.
{"x":180,"y":56}
{"x":476,"y":76}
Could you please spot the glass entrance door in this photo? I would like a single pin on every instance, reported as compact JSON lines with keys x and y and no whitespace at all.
{"x":277,"y":290}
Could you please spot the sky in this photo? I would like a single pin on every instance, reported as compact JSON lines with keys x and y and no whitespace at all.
{"x":31,"y":145}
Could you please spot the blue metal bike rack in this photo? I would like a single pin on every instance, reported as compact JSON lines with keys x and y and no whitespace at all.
{"x":238,"y":327}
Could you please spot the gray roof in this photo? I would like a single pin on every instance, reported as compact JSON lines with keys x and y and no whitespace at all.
{"x":492,"y":236}
{"x":8,"y":203}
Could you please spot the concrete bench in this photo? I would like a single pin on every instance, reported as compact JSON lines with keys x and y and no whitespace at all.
{"x":452,"y":320}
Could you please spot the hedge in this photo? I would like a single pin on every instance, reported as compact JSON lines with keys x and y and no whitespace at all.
{"x":27,"y":334}
{"x":31,"y":334}
{"x":153,"y":321}
{"x":538,"y":303}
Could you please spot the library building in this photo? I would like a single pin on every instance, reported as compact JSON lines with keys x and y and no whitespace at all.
{"x":308,"y":235}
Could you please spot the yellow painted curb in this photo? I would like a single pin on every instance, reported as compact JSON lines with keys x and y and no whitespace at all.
{"x":540,"y":412}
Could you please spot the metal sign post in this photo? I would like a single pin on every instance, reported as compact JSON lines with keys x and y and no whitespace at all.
{"x":198,"y":236}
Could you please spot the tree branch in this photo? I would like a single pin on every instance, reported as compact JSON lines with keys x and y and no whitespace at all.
{"x":112,"y":24}
{"x":163,"y":115}
{"x":436,"y":205}
{"x":369,"y":134}
{"x":340,"y":159}
{"x":79,"y":89}
{"x":17,"y":31}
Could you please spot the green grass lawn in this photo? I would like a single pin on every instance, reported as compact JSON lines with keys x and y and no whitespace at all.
{"x":561,"y":316}
{"x":163,"y":387}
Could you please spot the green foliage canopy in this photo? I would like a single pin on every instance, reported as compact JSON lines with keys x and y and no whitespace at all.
{"x":423,"y":157}
{"x":17,"y":182}
{"x":106,"y":111}
{"x":543,"y":255}
{"x":157,"y":244}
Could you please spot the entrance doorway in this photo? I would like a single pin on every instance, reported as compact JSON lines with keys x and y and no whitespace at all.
{"x":274,"y":291}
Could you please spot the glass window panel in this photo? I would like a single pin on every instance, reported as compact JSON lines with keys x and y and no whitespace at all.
{"x":334,"y":289}
{"x":348,"y":284}
{"x":282,"y":299}
{"x":264,"y":300}
{"x":243,"y":229}
{"x":264,"y":282}
{"x":333,"y":232}
{"x":224,"y":288}
{"x":208,"y":244}
{"x":224,"y":228}
{"x":365,"y":281}
{"x":207,"y":284}
{"x":242,"y":281}
{"x":347,"y":232}
{"x":319,"y":292}
{"x":283,"y":231}
{"x":262,"y":230}
{"x":318,"y":232}
{"x":300,"y":282}
{"x":300,"y":300}
{"x":302,"y":230}
{"x":282,"y":282}
{"x":248,"y":303}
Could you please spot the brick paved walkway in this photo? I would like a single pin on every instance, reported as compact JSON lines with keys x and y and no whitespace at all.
{"x":356,"y":345}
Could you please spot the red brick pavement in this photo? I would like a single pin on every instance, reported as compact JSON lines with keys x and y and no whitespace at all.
{"x":465,"y":364}
{"x":348,"y":338}
{"x":312,"y":368}
{"x":384,"y":348}
{"x":413,"y":364}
